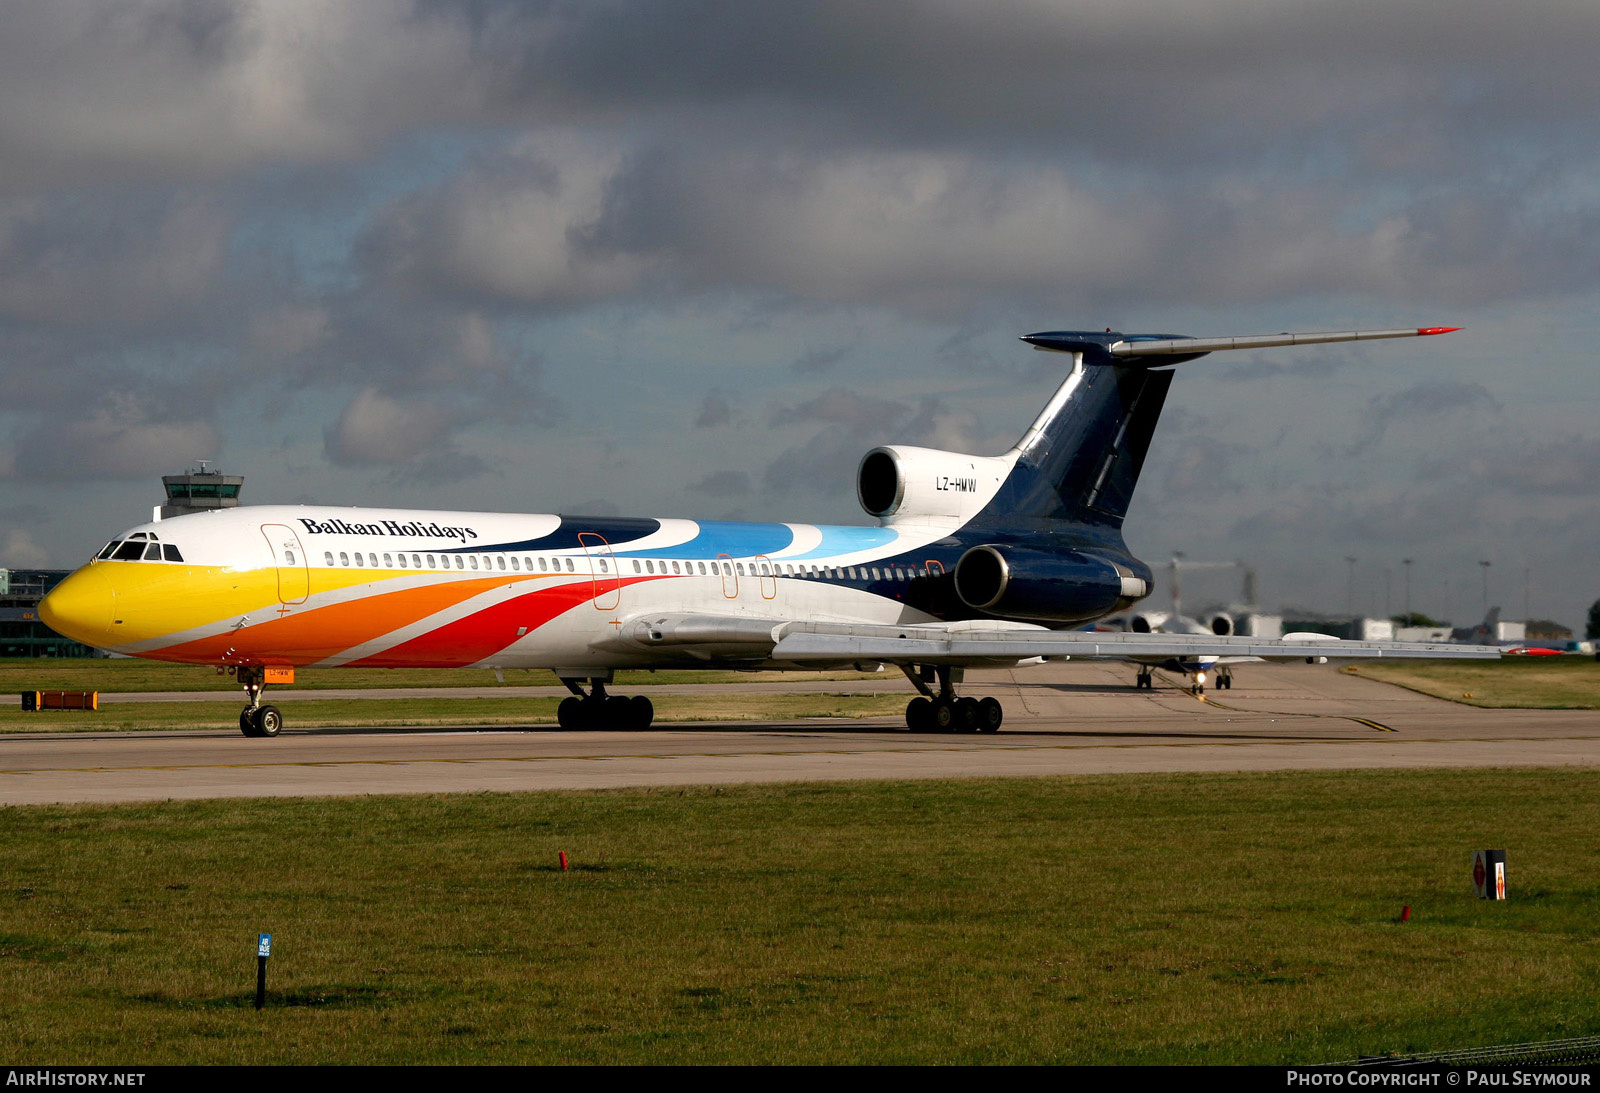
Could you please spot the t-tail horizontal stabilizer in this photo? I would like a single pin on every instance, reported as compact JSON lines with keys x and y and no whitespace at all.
{"x":1126,"y":346}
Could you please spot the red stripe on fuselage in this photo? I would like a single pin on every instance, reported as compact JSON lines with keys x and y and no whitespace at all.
{"x":471,"y":639}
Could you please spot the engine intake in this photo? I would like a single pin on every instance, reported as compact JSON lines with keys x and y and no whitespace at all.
{"x":1016,"y":582}
{"x":899,"y":484}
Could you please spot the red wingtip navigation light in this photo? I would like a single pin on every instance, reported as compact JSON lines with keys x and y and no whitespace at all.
{"x":1424,"y":331}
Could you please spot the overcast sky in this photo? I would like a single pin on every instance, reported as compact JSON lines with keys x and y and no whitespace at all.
{"x":695,"y":258}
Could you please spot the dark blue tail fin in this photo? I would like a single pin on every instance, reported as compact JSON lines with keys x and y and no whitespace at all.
{"x":1080,"y":460}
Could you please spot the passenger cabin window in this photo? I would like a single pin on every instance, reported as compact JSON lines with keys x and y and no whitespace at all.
{"x":515,"y":564}
{"x":344,"y":558}
{"x":327,"y":557}
{"x":474,"y":560}
{"x":569,"y":566}
{"x":288,"y":556}
{"x":388,"y":562}
{"x":358,"y":558}
{"x":432,"y":564}
{"x":459,"y":563}
{"x":372,"y":559}
{"x":402,"y":560}
{"x":416,"y":562}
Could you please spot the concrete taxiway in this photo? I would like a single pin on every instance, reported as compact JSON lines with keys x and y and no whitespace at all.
{"x":1077,"y":718}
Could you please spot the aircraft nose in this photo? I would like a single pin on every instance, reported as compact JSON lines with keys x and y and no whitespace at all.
{"x":81,"y":607}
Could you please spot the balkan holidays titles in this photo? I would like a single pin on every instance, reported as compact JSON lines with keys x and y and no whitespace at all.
{"x":388,"y":527}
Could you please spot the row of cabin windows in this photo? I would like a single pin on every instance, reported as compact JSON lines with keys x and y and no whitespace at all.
{"x":647,"y":566}
{"x":787,"y":569}
{"x":448,"y":561}
{"x":139,"y":547}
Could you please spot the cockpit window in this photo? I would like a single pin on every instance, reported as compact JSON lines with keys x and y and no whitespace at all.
{"x":170,"y":552}
{"x":152,"y":553}
{"x":130,"y":551}
{"x":105,"y":551}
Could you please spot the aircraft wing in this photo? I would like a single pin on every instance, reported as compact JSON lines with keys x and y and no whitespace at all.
{"x":712,"y":638}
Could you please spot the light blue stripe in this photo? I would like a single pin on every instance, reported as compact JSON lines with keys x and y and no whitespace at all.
{"x":734,"y":540}
{"x":838,"y":540}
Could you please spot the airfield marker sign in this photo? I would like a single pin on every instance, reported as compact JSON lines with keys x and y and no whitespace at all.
{"x":263,"y":950}
{"x":1489,"y":873}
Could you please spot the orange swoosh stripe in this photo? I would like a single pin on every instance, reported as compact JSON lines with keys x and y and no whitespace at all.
{"x":305,"y":637}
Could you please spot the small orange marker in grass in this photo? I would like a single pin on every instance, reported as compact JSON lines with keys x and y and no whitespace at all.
{"x":563,"y":856}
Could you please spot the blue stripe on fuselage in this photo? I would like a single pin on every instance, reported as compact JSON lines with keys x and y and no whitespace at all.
{"x":838,"y":540}
{"x":715,"y":537}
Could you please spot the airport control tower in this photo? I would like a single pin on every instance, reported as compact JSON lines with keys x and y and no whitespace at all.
{"x":198,"y":490}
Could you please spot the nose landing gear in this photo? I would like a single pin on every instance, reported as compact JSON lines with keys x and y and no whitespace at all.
{"x":944,"y":712}
{"x":257,"y":719}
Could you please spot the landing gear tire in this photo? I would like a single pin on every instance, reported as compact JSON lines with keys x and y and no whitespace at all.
{"x":954,"y":715}
{"x":966,"y":715}
{"x":990,"y":715}
{"x":603,"y":711}
{"x":247,"y":724}
{"x":617,"y":713}
{"x":266,"y":720}
{"x":1144,"y":682}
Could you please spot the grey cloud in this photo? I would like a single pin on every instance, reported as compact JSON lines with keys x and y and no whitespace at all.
{"x":511,"y":228}
{"x":843,"y":407}
{"x":1566,"y":467}
{"x":819,"y":360}
{"x":376,"y":429}
{"x":90,"y":259}
{"x":1204,"y":464}
{"x":117,"y":437}
{"x":200,"y":88}
{"x":1432,"y":398}
{"x":825,"y":463}
{"x":714,"y":410}
{"x":723,"y":484}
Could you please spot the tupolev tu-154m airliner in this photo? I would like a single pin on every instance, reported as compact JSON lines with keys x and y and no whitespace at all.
{"x":975,"y":561}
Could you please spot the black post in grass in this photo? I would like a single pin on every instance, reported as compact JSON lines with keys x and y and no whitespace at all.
{"x":263,"y":950}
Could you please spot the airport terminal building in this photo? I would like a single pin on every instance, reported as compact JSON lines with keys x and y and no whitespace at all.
{"x":21,"y":632}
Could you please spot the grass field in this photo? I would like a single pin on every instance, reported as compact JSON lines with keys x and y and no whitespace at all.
{"x":1177,"y":918}
{"x":129,"y":675}
{"x":444,"y":711}
{"x":1540,"y":683}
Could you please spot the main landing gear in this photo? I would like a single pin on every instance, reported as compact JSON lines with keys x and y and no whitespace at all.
{"x":1144,"y":681}
{"x":944,"y":712}
{"x":257,"y":719}
{"x":598,"y":710}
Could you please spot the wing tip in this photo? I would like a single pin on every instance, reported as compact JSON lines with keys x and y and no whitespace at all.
{"x":1425,"y":331}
